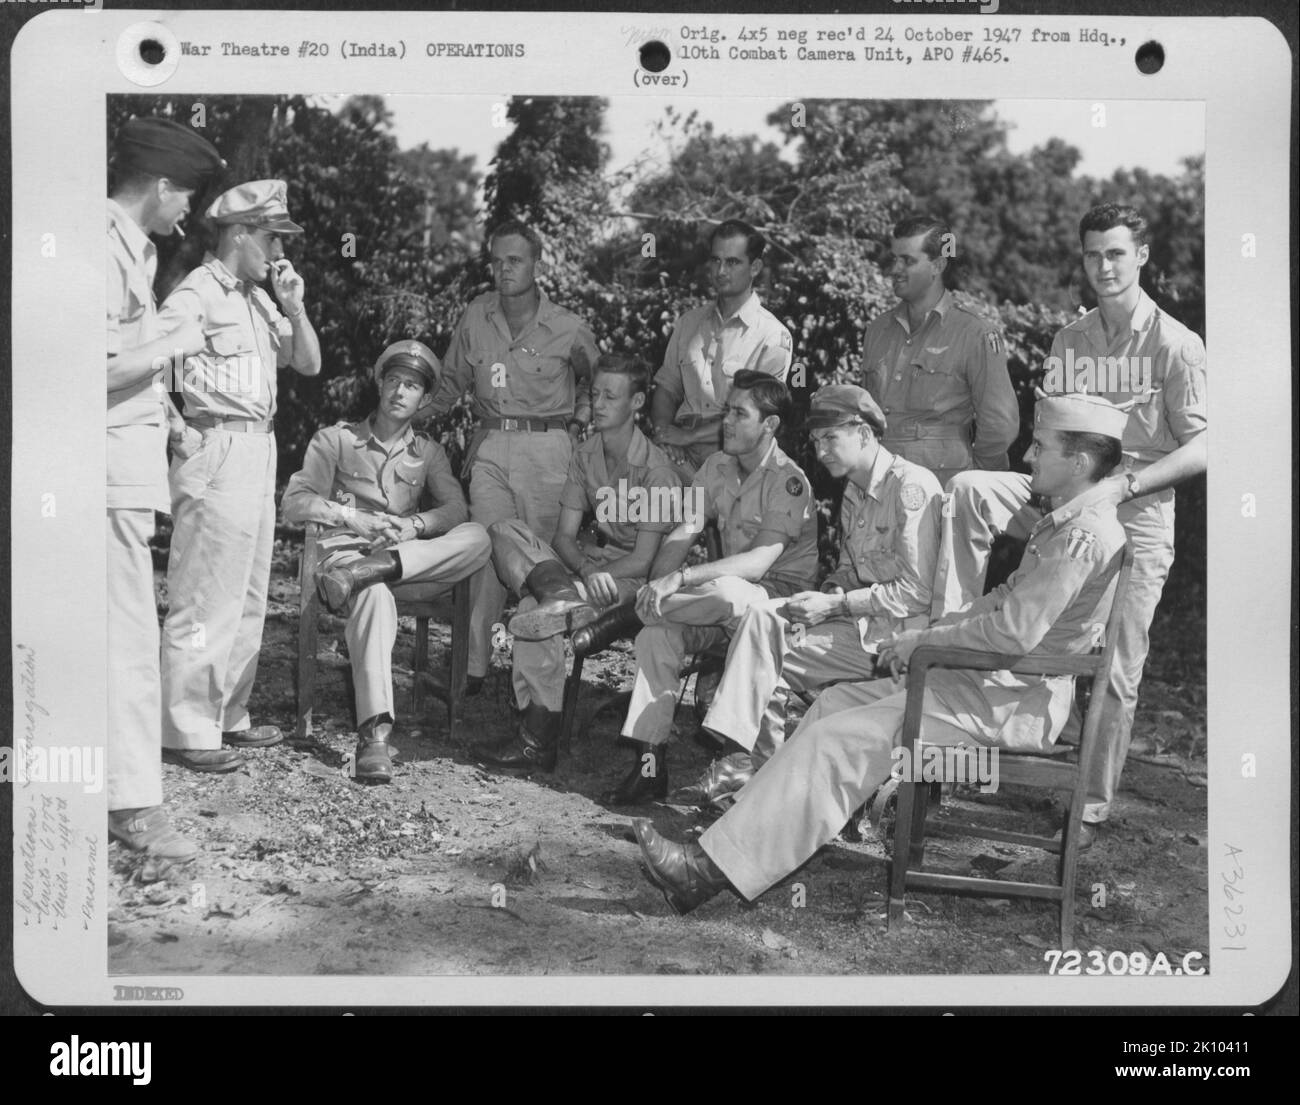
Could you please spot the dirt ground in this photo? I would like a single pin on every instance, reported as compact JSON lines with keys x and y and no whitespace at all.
{"x":453,"y":869}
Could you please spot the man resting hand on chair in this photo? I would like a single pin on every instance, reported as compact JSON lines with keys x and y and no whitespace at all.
{"x":363,"y":481}
{"x":1056,"y":603}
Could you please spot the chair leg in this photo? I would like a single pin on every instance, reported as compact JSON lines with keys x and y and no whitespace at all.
{"x":418,"y":665}
{"x":569,"y":710}
{"x":920,"y":811}
{"x":307,"y":629}
{"x":1066,"y":869}
{"x":459,"y":674}
{"x":903,"y":825}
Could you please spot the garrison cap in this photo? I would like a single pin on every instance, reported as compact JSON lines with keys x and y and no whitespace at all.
{"x":1080,"y":413}
{"x":260,"y":203}
{"x":412,"y":355}
{"x":162,"y":148}
{"x":838,"y":404}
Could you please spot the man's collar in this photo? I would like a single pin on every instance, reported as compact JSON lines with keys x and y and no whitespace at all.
{"x":137,"y":241}
{"x":747,"y":312}
{"x":941,"y":309}
{"x":224,"y":276}
{"x":1143,"y":311}
{"x":545,"y":308}
{"x":365,"y":431}
{"x":879,"y":470}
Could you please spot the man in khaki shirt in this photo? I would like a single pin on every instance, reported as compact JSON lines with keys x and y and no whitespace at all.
{"x":365,"y":482}
{"x":710,"y":344}
{"x":767,"y":521}
{"x":158,"y":166}
{"x":938,"y":371}
{"x":528,"y":363}
{"x":889,"y":542}
{"x":1053,"y":605}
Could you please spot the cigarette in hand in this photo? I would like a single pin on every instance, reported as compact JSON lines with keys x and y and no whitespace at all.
{"x":180,"y":230}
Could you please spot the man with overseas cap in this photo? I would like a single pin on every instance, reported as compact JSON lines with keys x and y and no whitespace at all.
{"x":157,"y":168}
{"x":528,"y":363}
{"x":223,"y":493}
{"x":635,"y":494}
{"x":767,"y":521}
{"x":938,"y":370}
{"x":1053,"y":605}
{"x":364,"y":481}
{"x":889,"y":542}
{"x":1136,"y":355}
{"x":711,"y":343}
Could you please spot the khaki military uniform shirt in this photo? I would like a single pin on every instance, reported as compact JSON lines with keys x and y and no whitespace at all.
{"x":137,"y":420}
{"x":1158,"y":361}
{"x":544,"y":373}
{"x":889,"y":546}
{"x":347,"y":464}
{"x":705,"y":352}
{"x":937,"y":381}
{"x":248,"y":339}
{"x":616,"y":498}
{"x":776,"y":496}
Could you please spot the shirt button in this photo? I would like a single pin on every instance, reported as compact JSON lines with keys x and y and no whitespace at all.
{"x":861,"y":522}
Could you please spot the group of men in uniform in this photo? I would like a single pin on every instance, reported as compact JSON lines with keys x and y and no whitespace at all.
{"x":937,"y":411}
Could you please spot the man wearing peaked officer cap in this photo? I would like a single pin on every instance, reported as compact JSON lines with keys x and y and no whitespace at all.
{"x":157,"y":167}
{"x":843,"y":748}
{"x":223,"y":474}
{"x":1133,"y":353}
{"x":363,"y":483}
{"x":889,"y":539}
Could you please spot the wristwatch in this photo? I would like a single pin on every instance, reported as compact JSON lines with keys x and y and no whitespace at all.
{"x":417,"y":520}
{"x":1134,"y":488}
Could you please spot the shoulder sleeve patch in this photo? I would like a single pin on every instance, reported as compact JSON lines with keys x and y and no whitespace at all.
{"x":995,"y":344}
{"x":912,"y":496}
{"x":786,"y":341}
{"x":794,"y":486}
{"x":1192,"y":352}
{"x":1079,"y":543}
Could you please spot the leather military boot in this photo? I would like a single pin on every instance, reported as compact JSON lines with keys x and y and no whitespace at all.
{"x":646,"y":781}
{"x":534,"y":747}
{"x":373,"y":762}
{"x":684,"y":872}
{"x":720,"y":783}
{"x":617,"y":621}
{"x":559,"y":608}
{"x":337,"y":585}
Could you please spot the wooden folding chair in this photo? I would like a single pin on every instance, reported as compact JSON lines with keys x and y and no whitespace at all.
{"x":1060,"y":772}
{"x":423,"y":602}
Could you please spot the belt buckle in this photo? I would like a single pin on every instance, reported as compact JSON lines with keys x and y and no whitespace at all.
{"x":510,"y":423}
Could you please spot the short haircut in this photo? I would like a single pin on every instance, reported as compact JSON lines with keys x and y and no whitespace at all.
{"x":755,"y":243}
{"x":623,"y":364}
{"x":1106,"y":452}
{"x":126,"y":179}
{"x":768,"y":394}
{"x":1107,"y":216}
{"x":934,"y":230}
{"x":515,"y":228}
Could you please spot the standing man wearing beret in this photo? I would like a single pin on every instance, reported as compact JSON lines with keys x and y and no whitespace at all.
{"x":938,"y":370}
{"x":528,"y":362}
{"x":223,"y":493}
{"x":889,"y":543}
{"x":364,"y":481}
{"x":157,"y":166}
{"x":843,"y":749}
{"x":710,"y":344}
{"x":1131,"y":352}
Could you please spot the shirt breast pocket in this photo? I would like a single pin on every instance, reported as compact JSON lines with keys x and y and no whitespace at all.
{"x":489,"y":375}
{"x":408,"y":485}
{"x":935,"y":384}
{"x":541,"y":378}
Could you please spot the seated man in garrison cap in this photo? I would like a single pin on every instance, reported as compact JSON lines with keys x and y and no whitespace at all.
{"x":364,"y":482}
{"x":223,"y":493}
{"x":889,"y":543}
{"x":157,"y":168}
{"x":843,"y":749}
